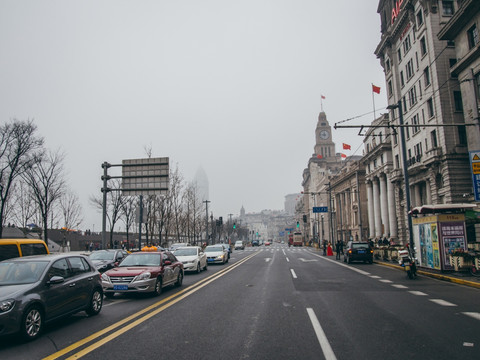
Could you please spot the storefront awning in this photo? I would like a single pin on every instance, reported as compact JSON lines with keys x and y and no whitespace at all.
{"x":442,"y":208}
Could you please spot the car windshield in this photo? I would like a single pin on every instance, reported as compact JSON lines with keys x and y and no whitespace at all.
{"x":213,"y":248}
{"x":102,"y":255}
{"x":360,"y":246}
{"x":185,"y":252}
{"x":238,"y":243}
{"x":15,"y":273}
{"x":141,"y":259}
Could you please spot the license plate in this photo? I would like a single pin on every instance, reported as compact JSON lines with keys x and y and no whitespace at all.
{"x":361,"y":251}
{"x":120,"y":287}
{"x":210,"y":260}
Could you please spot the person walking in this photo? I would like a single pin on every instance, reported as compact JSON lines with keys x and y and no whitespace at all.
{"x":338,"y":249}
{"x":324,"y":247}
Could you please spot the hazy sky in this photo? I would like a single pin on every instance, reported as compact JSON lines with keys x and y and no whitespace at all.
{"x":231,"y":86}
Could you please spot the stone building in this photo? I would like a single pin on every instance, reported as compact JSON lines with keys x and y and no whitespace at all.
{"x":425,"y":96}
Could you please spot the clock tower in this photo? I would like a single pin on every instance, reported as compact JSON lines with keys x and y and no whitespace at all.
{"x":324,"y":146}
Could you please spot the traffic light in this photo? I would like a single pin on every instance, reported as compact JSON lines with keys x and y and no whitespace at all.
{"x":298,"y":224}
{"x":304,"y":218}
{"x":234,"y":225}
{"x":220,"y":220}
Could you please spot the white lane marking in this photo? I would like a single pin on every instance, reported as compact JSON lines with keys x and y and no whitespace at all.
{"x":115,"y":302}
{"x":474,"y":315}
{"x":442,"y":302}
{"x":268,"y":259}
{"x":287,"y":260}
{"x":419,"y":293}
{"x":293,"y":273}
{"x":305,"y":260}
{"x":386,"y":281}
{"x":375,"y":277}
{"x":322,"y":339}
{"x":468,"y":344}
{"x":284,"y":253}
{"x":398,"y":286}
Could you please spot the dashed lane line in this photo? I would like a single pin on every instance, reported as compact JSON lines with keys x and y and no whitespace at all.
{"x":442,"y":302}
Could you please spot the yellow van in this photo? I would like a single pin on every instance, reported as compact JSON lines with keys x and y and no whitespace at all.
{"x":11,"y":248}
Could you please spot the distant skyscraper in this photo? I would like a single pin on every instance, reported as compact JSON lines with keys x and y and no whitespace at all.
{"x":201,"y":180}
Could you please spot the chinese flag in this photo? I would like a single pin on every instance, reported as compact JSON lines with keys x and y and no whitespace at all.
{"x":375,"y":89}
{"x":344,"y":156}
{"x":323,"y":97}
{"x":319,"y":156}
{"x":346,"y":147}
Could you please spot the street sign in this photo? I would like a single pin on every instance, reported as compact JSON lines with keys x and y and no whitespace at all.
{"x":288,"y":229}
{"x":475,"y":167}
{"x":320,"y":209}
{"x":145,"y":176}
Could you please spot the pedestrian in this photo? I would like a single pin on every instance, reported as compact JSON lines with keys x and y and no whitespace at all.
{"x":337,"y":249}
{"x":324,"y":247}
{"x":329,"y":250}
{"x":91,"y":246}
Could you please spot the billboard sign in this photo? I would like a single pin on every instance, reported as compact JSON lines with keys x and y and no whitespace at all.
{"x":145,"y":176}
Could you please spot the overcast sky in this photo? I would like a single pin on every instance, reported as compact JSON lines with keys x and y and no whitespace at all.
{"x":231,"y":86}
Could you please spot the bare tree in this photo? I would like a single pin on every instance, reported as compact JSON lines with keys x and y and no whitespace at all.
{"x":128,"y":209}
{"x":176,"y":185}
{"x":45,"y":178}
{"x":71,"y":210}
{"x":18,"y":142}
{"x":115,"y":202}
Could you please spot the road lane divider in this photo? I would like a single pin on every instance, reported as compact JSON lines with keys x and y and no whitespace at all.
{"x":140,"y":316}
{"x":322,"y":338}
{"x":293,"y":273}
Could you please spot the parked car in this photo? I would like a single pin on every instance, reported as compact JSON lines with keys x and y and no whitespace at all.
{"x":255,"y":243}
{"x":216,"y":254}
{"x":192,"y":257}
{"x":239,"y":245}
{"x":12,"y":248}
{"x":107,"y":259}
{"x":358,"y":251}
{"x":143,"y":272}
{"x":36,"y":290}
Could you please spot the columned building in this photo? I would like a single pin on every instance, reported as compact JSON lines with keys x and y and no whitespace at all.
{"x":382,"y":211}
{"x":416,"y":65}
{"x":321,"y":165}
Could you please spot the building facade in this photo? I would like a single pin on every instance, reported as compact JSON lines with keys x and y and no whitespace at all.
{"x":426,"y":104}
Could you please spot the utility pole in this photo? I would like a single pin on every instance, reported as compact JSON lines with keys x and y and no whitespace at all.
{"x":206,"y":220}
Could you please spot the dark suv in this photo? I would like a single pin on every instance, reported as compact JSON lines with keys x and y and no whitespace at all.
{"x":358,"y":251}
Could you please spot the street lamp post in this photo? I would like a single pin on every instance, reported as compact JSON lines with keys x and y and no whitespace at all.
{"x":405,"y":172}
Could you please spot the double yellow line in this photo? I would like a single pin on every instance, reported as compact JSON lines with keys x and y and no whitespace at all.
{"x":137,"y":318}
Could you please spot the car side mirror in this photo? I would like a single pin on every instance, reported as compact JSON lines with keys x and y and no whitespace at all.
{"x":55,"y":280}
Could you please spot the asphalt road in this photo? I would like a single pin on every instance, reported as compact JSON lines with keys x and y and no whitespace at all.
{"x":275,"y":303}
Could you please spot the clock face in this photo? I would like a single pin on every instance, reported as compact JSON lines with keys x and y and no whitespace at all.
{"x":324,"y":134}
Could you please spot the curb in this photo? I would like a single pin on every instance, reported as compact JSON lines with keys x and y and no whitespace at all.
{"x":436,"y":276}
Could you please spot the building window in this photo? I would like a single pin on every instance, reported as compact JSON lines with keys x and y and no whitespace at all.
{"x":419,"y":18}
{"x":472,"y":36}
{"x":397,"y":162}
{"x":409,"y":68}
{"x":402,"y":79}
{"x":431,"y":112}
{"x":387,"y":65}
{"x":457,"y":98}
{"x":399,"y":53}
{"x":412,"y":94}
{"x":390,"y":88}
{"x":426,"y":76}
{"x":423,"y":46}
{"x":426,"y":144}
{"x":407,"y":44}
{"x":433,"y":137}
{"x":415,"y":121}
{"x":447,"y":6}
{"x":462,"y":135}
{"x":404,"y":100}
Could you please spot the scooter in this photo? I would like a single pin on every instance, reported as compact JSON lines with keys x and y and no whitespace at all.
{"x":408,"y":262}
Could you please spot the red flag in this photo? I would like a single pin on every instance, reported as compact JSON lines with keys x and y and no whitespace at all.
{"x":344,"y":156}
{"x":375,"y":89}
{"x":346,"y":147}
{"x":319,"y":156}
{"x":323,"y":97}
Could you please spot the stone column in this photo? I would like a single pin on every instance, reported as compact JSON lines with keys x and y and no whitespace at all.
{"x":418,"y":197}
{"x":428,"y":190}
{"x":376,"y":208}
{"x":384,"y":204}
{"x":391,"y":210}
{"x":371,"y":221}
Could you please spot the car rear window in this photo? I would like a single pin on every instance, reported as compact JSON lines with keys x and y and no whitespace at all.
{"x":8,"y":251}
{"x":360,"y":246}
{"x":33,"y":249}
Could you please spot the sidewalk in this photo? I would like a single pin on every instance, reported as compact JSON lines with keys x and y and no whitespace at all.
{"x":463,"y":278}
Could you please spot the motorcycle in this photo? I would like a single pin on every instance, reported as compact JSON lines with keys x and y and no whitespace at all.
{"x":408,"y":262}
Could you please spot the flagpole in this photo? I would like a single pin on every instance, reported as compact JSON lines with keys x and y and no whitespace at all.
{"x":373,"y":100}
{"x":321,"y":104}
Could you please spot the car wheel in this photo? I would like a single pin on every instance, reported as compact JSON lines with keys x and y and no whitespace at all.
{"x":179,"y":279}
{"x":109,"y":295}
{"x":158,"y":287}
{"x":32,"y":322}
{"x":198,"y":268}
{"x":96,"y":302}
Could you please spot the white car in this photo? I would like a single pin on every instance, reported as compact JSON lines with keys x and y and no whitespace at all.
{"x":239,"y":245}
{"x":216,"y":254}
{"x":192,"y":257}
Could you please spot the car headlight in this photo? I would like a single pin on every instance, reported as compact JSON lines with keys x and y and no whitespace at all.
{"x":220,"y":256}
{"x":143,"y":276}
{"x":6,"y":305}
{"x":189,"y":262}
{"x":105,"y":277}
